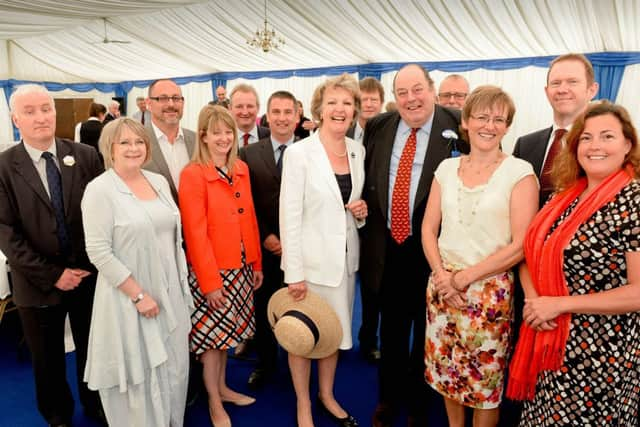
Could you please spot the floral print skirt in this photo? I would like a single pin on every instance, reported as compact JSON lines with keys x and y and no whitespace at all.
{"x":466,"y":349}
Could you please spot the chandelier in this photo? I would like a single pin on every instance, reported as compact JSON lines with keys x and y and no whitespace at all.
{"x":266,"y":39}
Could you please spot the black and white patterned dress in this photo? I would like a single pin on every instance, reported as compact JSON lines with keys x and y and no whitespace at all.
{"x":599,"y":382}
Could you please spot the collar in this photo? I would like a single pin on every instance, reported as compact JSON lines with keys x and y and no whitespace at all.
{"x":160,"y":135}
{"x":123,"y":188}
{"x":555,"y":127}
{"x":211,"y":174}
{"x":404,"y":129}
{"x":275,"y":144}
{"x":253,"y":132}
{"x":36,"y":154}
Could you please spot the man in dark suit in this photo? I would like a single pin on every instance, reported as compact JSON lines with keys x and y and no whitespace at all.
{"x":244,"y":107}
{"x":91,"y":129}
{"x":42,"y":181}
{"x":113,"y":113}
{"x":403,"y":150}
{"x":371,"y":100}
{"x":221,"y":97}
{"x":570,"y":87}
{"x":171,"y":145}
{"x":265,"y":165}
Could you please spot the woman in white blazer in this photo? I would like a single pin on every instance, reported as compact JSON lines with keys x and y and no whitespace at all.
{"x":138,"y":353}
{"x":320,"y":212}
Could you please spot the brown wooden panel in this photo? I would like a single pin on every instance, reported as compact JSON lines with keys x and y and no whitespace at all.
{"x":69,"y":113}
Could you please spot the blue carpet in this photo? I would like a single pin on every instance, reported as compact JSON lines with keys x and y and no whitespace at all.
{"x":355,"y":388}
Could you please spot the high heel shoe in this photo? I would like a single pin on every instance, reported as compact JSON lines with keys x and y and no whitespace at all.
{"x":347,"y":421}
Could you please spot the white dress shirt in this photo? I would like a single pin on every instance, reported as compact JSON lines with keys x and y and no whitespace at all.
{"x":175,"y":154}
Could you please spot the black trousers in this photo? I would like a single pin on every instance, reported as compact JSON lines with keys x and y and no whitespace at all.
{"x":402,"y":328}
{"x":368,"y":333}
{"x":44,"y":333}
{"x":265,"y":340}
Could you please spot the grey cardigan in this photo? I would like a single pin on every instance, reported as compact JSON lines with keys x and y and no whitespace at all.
{"x":121,"y":242}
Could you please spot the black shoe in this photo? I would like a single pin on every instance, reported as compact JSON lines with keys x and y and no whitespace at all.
{"x":258,"y":378}
{"x":371,"y":355}
{"x":347,"y":421}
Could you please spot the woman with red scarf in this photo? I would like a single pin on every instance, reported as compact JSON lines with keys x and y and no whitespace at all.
{"x":577,"y":360}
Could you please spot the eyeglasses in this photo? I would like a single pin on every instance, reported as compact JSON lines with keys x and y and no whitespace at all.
{"x":457,"y":95}
{"x":127,"y":143}
{"x":164,"y":99}
{"x":484,"y":119}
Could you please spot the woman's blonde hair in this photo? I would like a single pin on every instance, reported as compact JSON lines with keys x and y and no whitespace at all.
{"x":112,"y":131}
{"x":566,"y":168}
{"x":343,"y":81}
{"x":210,"y":116}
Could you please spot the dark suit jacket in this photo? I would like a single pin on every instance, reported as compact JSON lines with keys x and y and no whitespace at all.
{"x":90,"y":133}
{"x":107,"y":118}
{"x":263,"y":132}
{"x":28,"y":225}
{"x":158,"y":164}
{"x":265,"y":185}
{"x":301,"y":132}
{"x":351,"y":131}
{"x":532,"y":148}
{"x":380,"y":132}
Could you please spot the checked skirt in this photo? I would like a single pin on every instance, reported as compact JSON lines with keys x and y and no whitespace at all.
{"x":226,"y":327}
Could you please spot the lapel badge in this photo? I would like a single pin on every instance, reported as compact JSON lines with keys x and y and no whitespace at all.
{"x":69,"y":161}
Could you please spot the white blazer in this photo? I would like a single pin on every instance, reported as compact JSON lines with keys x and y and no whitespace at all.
{"x":315,"y":227}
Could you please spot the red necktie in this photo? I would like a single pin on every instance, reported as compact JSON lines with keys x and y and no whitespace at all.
{"x":245,"y":139}
{"x":556,"y":146}
{"x":400,"y":219}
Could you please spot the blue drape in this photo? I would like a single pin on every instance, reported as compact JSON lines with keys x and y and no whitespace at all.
{"x":608,"y":67}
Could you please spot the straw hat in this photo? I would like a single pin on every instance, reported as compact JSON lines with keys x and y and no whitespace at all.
{"x":308,"y":328}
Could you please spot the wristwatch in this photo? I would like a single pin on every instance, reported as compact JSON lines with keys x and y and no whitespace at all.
{"x":138,"y":298}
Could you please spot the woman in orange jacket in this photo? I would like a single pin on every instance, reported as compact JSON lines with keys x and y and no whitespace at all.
{"x":223,"y":249}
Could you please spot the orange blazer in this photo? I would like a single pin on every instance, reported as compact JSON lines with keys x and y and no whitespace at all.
{"x":216,"y":218}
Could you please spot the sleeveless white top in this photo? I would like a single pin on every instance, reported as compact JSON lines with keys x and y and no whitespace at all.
{"x":476,"y":221}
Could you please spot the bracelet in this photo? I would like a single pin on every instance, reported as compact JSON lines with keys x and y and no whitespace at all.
{"x":138,"y":298}
{"x":453,"y":280}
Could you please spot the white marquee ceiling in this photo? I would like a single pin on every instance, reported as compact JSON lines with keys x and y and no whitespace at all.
{"x":52,"y":39}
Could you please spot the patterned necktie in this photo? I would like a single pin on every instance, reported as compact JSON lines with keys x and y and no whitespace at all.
{"x":55,"y":192}
{"x":556,"y":146}
{"x":279,"y":162}
{"x":400,"y":219}
{"x":245,"y":139}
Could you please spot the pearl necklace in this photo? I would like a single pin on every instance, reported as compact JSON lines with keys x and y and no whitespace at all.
{"x":469,"y":165}
{"x":339,"y":154}
{"x":477,"y":195}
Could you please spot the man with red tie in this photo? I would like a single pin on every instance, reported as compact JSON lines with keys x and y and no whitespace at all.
{"x":403,"y":150}
{"x":244,"y":107}
{"x":570,"y":87}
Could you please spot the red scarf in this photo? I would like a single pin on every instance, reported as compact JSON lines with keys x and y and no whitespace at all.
{"x":539,"y":351}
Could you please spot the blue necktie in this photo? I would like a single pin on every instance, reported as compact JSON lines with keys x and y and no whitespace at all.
{"x":279,"y":162}
{"x":55,"y":192}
